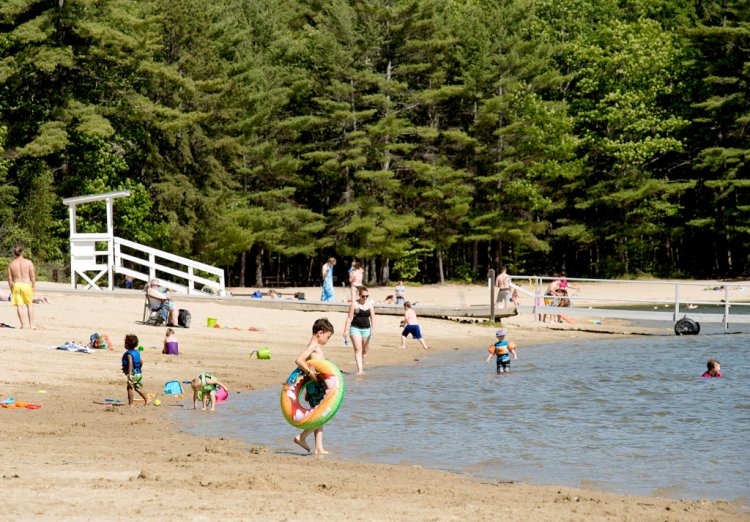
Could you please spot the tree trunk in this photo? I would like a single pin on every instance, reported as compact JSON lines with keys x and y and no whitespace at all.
{"x":310,"y":278}
{"x":474,"y":256}
{"x":242,"y":269}
{"x":373,"y":272}
{"x":385,"y":272}
{"x":729,"y":254}
{"x":441,"y":274}
{"x":259,"y":268}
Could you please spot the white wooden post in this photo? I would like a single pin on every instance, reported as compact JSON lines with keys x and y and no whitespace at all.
{"x":72,"y":218}
{"x":726,"y":307}
{"x":151,"y":268}
{"x":110,"y":240}
{"x":676,"y":302}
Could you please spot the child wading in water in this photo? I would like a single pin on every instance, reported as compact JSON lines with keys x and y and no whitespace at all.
{"x":131,"y":366}
{"x":411,"y":326}
{"x":714,"y":369}
{"x":207,"y":385}
{"x":322,"y":330}
{"x":502,"y":350}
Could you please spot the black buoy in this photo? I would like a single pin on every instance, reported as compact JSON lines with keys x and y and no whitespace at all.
{"x":686,"y":326}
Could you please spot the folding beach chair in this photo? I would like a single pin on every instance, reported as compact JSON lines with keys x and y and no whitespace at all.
{"x":152,"y":312}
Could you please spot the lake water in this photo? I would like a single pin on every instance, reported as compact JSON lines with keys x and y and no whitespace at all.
{"x":621,"y":415}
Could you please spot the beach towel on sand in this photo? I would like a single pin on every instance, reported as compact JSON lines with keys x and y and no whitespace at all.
{"x":72,"y":347}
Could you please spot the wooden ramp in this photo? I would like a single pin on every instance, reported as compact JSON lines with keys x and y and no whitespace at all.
{"x":480,"y":311}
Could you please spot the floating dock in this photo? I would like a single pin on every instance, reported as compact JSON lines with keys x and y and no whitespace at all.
{"x":476,"y":311}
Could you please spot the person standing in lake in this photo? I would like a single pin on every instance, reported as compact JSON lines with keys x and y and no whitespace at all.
{"x":327,"y":273}
{"x":502,"y":350}
{"x":359,"y":326}
{"x":322,"y":331}
{"x":22,"y":280}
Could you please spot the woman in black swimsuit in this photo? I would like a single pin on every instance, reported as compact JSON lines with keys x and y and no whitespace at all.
{"x":359,"y":326}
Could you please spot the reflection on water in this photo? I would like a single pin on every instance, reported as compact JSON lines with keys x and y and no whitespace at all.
{"x":623,"y":415}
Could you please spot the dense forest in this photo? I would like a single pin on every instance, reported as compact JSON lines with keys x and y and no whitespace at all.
{"x":430,"y":139}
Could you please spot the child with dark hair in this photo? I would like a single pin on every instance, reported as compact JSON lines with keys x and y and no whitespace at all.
{"x":322,"y":331}
{"x":131,"y":366}
{"x":714,"y":369}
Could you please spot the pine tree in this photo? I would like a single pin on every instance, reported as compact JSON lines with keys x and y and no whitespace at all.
{"x":720,"y":124}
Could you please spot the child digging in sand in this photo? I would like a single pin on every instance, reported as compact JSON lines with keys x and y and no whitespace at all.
{"x":131,"y":366}
{"x":207,"y":385}
{"x":322,"y":330}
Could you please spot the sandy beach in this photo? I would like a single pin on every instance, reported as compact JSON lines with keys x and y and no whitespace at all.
{"x":77,"y":459}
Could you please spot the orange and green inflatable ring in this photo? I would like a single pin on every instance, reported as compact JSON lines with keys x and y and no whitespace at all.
{"x":302,"y":415}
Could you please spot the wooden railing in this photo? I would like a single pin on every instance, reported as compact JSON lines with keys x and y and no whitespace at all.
{"x":184,"y":275}
{"x":616,"y":306}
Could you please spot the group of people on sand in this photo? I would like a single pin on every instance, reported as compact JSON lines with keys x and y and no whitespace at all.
{"x":360,"y":319}
{"x":360,"y":324}
{"x":205,"y":386}
{"x":358,"y":327}
{"x":557,"y":293}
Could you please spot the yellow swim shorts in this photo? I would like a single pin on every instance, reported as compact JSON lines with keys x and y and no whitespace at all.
{"x":23,"y":294}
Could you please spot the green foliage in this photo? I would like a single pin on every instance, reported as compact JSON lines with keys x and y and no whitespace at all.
{"x":602,"y":137}
{"x":407,"y":266}
{"x":464,"y":274}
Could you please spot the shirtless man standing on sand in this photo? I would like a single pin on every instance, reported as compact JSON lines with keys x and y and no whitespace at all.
{"x":22,"y":280}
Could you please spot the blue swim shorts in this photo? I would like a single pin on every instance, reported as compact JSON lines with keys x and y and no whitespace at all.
{"x":364,"y":333}
{"x":412,"y":329}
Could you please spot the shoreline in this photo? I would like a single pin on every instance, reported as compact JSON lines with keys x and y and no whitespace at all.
{"x":274,"y":443}
{"x":74,"y":457}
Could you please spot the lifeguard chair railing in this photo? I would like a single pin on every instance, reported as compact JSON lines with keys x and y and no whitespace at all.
{"x":128,"y":258}
{"x":194,"y":276}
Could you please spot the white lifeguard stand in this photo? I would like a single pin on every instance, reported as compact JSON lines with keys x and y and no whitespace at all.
{"x":132,"y":259}
{"x":83,"y":252}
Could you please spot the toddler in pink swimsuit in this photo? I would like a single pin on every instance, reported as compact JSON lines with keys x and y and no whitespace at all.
{"x":714,"y":369}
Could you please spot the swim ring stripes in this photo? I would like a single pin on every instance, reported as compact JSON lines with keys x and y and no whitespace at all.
{"x":300,"y":386}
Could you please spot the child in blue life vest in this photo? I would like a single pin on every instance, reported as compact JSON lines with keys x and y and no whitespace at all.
{"x":131,"y":366}
{"x":502,"y":349}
